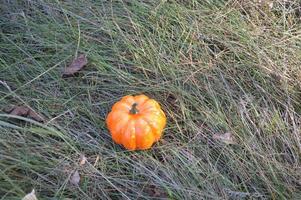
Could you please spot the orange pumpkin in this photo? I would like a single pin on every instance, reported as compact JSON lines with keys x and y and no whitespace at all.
{"x":136,"y":122}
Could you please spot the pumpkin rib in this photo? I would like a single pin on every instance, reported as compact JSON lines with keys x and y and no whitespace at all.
{"x":128,"y":136}
{"x":155,"y":130}
{"x":154,"y":112}
{"x":128,"y":99}
{"x":142,"y":144}
{"x":114,"y":116}
{"x":121,"y":106}
{"x":143,"y":105}
{"x":141,"y":99}
{"x":119,"y":129}
{"x":150,"y":104}
{"x":138,"y":130}
{"x":122,"y":119}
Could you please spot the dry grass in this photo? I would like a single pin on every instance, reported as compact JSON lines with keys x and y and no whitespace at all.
{"x":215,"y":67}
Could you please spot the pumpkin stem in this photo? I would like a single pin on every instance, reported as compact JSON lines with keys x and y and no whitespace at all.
{"x":134,"y":109}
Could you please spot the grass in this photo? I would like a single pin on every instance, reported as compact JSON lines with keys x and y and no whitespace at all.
{"x":214,"y":66}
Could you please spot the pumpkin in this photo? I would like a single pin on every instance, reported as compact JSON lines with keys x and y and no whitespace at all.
{"x":136,"y":122}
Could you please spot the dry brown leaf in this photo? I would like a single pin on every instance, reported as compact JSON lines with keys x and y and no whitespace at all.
{"x":83,"y":160}
{"x":75,"y":178}
{"x":227,"y":138}
{"x":24,"y":111}
{"x":32,"y":114}
{"x":30,"y":196}
{"x":76,"y":65}
{"x":155,"y":191}
{"x":19,"y":111}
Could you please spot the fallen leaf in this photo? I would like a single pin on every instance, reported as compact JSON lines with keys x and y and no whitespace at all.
{"x":75,"y":178}
{"x":227,"y":138}
{"x":76,"y":65}
{"x":83,"y":160}
{"x":20,"y":111}
{"x":32,"y":114}
{"x":24,"y":111}
{"x":30,"y":196}
{"x":155,"y":191}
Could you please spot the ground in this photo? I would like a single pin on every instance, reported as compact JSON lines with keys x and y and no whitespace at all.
{"x":217,"y":68}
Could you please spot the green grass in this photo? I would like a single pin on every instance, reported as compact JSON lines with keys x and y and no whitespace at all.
{"x":214,"y":66}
